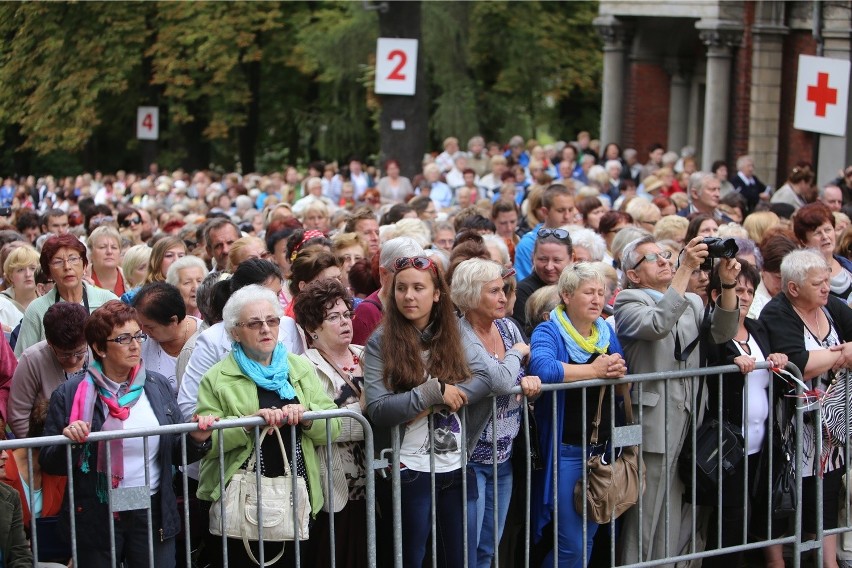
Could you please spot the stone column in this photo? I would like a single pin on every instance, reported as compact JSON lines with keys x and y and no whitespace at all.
{"x":720,"y":37}
{"x":678,"y":108}
{"x":835,"y":152}
{"x":765,"y":98}
{"x":616,"y":36}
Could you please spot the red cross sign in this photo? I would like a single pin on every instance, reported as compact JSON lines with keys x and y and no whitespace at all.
{"x":822,"y":95}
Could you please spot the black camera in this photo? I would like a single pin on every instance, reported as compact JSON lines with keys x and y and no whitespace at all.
{"x":718,"y":248}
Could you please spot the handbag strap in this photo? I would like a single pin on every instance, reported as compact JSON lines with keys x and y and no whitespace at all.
{"x":252,"y":460}
{"x":628,"y":413}
{"x":255,"y":560}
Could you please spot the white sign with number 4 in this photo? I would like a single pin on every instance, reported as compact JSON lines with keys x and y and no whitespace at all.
{"x":396,"y":66}
{"x":147,"y":123}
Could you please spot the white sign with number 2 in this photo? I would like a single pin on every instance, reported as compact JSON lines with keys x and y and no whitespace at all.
{"x":147,"y":123}
{"x":396,"y":66}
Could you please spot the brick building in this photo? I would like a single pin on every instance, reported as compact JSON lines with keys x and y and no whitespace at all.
{"x":720,"y":76}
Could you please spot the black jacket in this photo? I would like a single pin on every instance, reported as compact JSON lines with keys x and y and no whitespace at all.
{"x":89,"y":511}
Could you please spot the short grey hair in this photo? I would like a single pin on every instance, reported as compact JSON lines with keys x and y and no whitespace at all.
{"x":576,"y":274}
{"x":246,"y":296}
{"x":630,"y":258}
{"x":589,"y":240}
{"x":491,"y":239}
{"x":102,"y":232}
{"x":613,"y":164}
{"x":188,"y":261}
{"x":697,"y":181}
{"x":748,"y":247}
{"x":798,"y":264}
{"x":468,"y":279}
{"x":741,"y":161}
{"x":398,"y":248}
{"x":625,"y":236}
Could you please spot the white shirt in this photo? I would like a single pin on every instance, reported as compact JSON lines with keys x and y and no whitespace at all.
{"x":135,"y":459}
{"x":756,"y":405}
{"x":416,"y":445}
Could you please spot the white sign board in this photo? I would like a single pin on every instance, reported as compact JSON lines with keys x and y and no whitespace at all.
{"x":147,"y":123}
{"x":822,"y":95}
{"x":396,"y":66}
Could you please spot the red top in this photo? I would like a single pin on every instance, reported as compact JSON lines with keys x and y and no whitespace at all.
{"x":52,"y":490}
{"x":119,"y":283}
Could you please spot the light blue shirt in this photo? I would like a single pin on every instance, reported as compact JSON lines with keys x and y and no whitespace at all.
{"x":523,"y":253}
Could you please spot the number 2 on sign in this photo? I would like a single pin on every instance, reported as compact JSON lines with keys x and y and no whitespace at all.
{"x":148,"y":122}
{"x":395,"y":75}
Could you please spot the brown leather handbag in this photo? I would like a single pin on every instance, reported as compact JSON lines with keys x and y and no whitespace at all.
{"x":612,"y":487}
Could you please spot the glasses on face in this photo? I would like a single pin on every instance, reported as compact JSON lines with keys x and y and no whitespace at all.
{"x":126,"y":338}
{"x":336,"y":317}
{"x":257,"y":324}
{"x":70,"y":356}
{"x":418,"y":262}
{"x":61,"y":262}
{"x":128,"y":222}
{"x":653,"y":256}
{"x":560,"y":234}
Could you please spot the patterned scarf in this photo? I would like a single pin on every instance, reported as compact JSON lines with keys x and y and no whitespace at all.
{"x":91,"y":389}
{"x":580,"y":348}
{"x":274,"y":377}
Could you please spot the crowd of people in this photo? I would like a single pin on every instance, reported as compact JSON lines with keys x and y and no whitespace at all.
{"x":139,"y":300}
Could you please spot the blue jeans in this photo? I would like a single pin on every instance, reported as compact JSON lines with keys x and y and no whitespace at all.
{"x":485,"y":507}
{"x":417,"y":517}
{"x":570,"y":543}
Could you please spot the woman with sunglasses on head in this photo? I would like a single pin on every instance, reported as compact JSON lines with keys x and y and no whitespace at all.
{"x":130,"y":225}
{"x":552,"y":252}
{"x":478,"y":292}
{"x":416,"y":373}
{"x":118,"y":393}
{"x":64,"y":258}
{"x":324,"y":311}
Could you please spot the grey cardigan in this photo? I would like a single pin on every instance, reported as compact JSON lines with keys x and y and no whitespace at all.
{"x":387,"y":409}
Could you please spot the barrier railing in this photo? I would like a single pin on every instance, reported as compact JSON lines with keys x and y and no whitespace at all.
{"x":139,"y":498}
{"x":621,"y":435}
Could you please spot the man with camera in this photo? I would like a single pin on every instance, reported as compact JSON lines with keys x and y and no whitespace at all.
{"x":659,"y":325}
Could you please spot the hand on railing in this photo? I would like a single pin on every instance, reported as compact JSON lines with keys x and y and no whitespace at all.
{"x":204,"y":423}
{"x":454,"y":398}
{"x":77,"y":431}
{"x":745,"y":363}
{"x":290,"y":414}
{"x":778,"y":360}
{"x":609,"y":366}
{"x":530,"y":386}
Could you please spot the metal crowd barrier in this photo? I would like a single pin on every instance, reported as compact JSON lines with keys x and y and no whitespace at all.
{"x":624,"y":435}
{"x":139,"y":498}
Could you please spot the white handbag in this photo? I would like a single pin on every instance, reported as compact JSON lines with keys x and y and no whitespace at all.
{"x":279,"y":496}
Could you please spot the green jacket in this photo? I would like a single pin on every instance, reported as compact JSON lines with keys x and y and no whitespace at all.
{"x":224,"y":391}
{"x":14,"y":549}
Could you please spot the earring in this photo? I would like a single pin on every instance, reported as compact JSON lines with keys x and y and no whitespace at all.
{"x":315,"y":336}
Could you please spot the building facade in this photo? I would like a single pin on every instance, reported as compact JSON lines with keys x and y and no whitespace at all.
{"x":720,"y":76}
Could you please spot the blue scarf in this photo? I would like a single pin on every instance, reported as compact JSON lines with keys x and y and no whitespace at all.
{"x":575,"y":352}
{"x":275,"y":377}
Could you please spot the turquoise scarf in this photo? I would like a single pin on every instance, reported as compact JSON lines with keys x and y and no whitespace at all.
{"x":274,"y":377}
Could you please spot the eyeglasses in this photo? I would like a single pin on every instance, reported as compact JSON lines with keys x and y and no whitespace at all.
{"x":126,"y":338}
{"x":560,"y":234}
{"x":257,"y":325}
{"x":653,"y":256}
{"x":100,"y":221}
{"x":418,"y":262}
{"x":70,"y":356}
{"x":336,"y":317}
{"x":61,"y":262}
{"x":134,"y":221}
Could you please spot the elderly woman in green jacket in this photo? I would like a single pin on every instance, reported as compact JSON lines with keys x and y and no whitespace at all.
{"x":260,"y":378}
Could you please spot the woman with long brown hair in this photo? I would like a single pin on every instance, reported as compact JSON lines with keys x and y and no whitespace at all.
{"x":412,"y":367}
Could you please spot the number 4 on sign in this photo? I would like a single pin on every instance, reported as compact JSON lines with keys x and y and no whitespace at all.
{"x":147,"y":123}
{"x":396,"y":66}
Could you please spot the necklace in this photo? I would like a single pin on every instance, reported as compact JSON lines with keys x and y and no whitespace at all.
{"x":485,"y":340}
{"x":817,"y":323}
{"x":353,"y":368}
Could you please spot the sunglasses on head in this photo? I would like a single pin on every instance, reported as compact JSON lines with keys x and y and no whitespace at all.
{"x":560,"y":234}
{"x":418,"y":262}
{"x":507,"y":273}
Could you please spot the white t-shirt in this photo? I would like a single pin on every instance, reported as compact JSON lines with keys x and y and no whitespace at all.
{"x":141,"y":416}
{"x":416,"y":445}
{"x":756,"y":406}
{"x":156,"y":359}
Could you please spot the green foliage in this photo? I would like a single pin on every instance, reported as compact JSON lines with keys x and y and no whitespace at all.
{"x":72,"y":74}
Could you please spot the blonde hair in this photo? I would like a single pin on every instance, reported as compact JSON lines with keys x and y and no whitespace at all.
{"x":758,"y":222}
{"x":239,"y":244}
{"x":20,"y":257}
{"x":671,"y":227}
{"x":341,"y":241}
{"x":134,"y":257}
